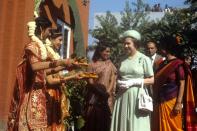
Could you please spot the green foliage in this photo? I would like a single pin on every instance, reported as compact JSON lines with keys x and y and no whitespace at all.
{"x":176,"y":23}
{"x":109,"y":30}
{"x":37,"y":4}
{"x":75,"y":91}
{"x":108,"y":33}
{"x":171,"y":24}
{"x":133,"y":20}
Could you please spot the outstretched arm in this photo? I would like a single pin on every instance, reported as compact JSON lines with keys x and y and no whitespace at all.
{"x":46,"y":65}
{"x":52,"y":81}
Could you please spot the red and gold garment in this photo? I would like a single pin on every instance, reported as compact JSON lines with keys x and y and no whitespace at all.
{"x":28,"y":106}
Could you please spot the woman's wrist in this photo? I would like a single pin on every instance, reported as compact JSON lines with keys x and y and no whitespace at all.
{"x":178,"y":102}
{"x":62,"y":80}
{"x":53,"y":64}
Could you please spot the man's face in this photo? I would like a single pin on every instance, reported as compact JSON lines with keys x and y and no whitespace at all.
{"x":151,"y":48}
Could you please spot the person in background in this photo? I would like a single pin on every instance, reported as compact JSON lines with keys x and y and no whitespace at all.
{"x":168,"y":89}
{"x":188,"y":60}
{"x":134,"y":70}
{"x":190,"y":114}
{"x":101,"y":91}
{"x":151,"y":51}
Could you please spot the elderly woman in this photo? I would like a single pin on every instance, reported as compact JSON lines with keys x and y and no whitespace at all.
{"x":134,"y":70}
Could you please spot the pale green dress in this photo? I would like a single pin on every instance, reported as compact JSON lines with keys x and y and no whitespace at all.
{"x":126,"y":116}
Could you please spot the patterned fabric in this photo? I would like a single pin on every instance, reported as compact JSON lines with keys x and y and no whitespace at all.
{"x":29,"y":110}
{"x":100,"y":97}
{"x":107,"y":77}
{"x":126,"y":116}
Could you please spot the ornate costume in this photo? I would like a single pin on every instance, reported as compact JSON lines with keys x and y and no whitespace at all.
{"x":28,"y":107}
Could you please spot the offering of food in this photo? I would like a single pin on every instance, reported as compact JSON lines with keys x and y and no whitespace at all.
{"x":82,"y":61}
{"x":89,"y":75}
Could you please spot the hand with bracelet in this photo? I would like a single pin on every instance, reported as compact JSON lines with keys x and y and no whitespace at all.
{"x":177,"y":108}
{"x":76,"y":76}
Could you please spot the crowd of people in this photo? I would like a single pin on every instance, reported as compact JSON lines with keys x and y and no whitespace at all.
{"x":158,"y":8}
{"x":112,"y":99}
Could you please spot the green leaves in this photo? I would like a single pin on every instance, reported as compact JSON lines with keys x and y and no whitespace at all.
{"x":75,"y":91}
{"x":180,"y":22}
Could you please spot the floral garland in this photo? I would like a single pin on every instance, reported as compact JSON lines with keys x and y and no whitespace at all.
{"x":53,"y":54}
{"x":31,"y":33}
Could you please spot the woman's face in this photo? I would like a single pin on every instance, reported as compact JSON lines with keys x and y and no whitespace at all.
{"x":129,"y":45}
{"x":57,"y":42}
{"x":45,"y":33}
{"x":105,"y":54}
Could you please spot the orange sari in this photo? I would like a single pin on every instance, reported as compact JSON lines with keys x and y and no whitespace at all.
{"x":162,"y":111}
{"x":190,"y":114}
{"x":163,"y":119}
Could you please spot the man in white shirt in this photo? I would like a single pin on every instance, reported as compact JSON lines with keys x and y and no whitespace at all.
{"x":151,"y":51}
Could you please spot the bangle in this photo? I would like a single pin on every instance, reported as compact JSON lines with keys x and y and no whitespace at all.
{"x":68,"y":62}
{"x":178,"y":102}
{"x":53,"y":71}
{"x":62,"y":80}
{"x":53,"y":64}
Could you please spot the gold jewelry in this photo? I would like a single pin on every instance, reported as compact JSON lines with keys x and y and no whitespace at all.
{"x":53,"y":64}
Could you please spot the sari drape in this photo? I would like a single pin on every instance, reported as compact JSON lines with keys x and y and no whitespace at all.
{"x":162,"y":111}
{"x":163,"y":119}
{"x":189,"y":103}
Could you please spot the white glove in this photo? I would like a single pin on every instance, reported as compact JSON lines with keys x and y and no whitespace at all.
{"x":130,"y":82}
{"x":137,"y":81}
{"x":124,"y":84}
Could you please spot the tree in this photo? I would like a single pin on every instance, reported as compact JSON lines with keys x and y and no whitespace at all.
{"x":108,"y":33}
{"x":110,"y":30}
{"x":177,"y":23}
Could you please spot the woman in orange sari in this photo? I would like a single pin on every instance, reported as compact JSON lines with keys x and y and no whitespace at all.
{"x":168,"y":90}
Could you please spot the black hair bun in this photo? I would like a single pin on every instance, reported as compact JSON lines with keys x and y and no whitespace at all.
{"x":43,"y":22}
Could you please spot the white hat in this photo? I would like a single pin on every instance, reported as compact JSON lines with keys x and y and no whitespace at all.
{"x":131,"y":33}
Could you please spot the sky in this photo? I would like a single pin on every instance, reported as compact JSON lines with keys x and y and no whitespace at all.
{"x":118,"y":5}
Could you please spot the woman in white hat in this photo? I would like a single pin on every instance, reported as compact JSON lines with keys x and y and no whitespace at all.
{"x":134,"y":71}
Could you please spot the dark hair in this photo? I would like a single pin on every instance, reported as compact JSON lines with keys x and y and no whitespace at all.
{"x":169,"y":44}
{"x":99,"y":49}
{"x":152,"y":41}
{"x":56,"y":33}
{"x":41,"y":23}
